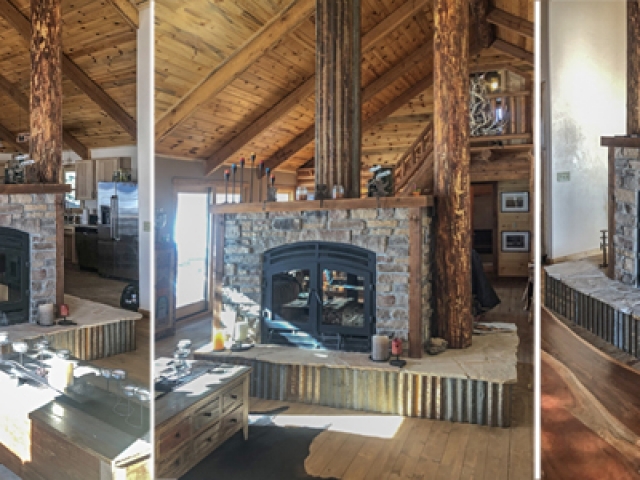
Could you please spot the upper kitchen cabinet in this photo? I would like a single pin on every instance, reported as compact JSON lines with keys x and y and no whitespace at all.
{"x":85,"y":180}
{"x":106,"y":166}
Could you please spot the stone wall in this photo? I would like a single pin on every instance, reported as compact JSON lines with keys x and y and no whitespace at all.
{"x":626,"y":213}
{"x":383,"y":231}
{"x":36,"y":215}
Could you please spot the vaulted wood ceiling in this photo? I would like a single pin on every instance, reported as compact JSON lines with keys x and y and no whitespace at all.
{"x":263,"y":100}
{"x":99,"y":72}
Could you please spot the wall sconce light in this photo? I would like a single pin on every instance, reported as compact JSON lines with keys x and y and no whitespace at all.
{"x":493,"y":81}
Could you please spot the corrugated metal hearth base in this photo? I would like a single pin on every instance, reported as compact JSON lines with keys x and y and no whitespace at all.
{"x":412,"y":392}
{"x":102,"y":331}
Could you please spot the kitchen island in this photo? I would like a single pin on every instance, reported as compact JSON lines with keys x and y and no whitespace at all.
{"x":71,"y":433}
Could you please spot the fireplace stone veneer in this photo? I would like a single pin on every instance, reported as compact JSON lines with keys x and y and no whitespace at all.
{"x":35,"y":214}
{"x":383,"y":231}
{"x":625,"y":240}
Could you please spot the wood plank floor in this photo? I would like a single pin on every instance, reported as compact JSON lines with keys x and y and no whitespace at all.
{"x":420,"y":449}
{"x":590,"y":409}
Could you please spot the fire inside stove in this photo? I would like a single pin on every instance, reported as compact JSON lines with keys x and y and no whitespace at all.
{"x":319,"y":295}
{"x":14,"y":276}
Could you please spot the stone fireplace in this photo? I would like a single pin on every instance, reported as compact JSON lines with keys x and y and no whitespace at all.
{"x":329,"y":274}
{"x":29,"y":256}
{"x":626,"y":224}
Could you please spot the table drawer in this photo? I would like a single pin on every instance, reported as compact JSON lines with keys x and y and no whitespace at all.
{"x":175,"y":464}
{"x":206,"y":415}
{"x":207,"y":440}
{"x":231,"y":422}
{"x":232,"y":398}
{"x":174,"y":437}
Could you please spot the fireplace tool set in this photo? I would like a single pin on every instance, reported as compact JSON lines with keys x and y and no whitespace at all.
{"x":260,"y":173}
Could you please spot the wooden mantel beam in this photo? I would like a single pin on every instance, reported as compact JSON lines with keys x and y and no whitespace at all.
{"x":518,"y":25}
{"x":23,"y":102}
{"x":9,"y":138}
{"x":307,"y":89}
{"x":264,"y":40}
{"x":21,"y":24}
{"x":513,"y":50}
{"x":127,"y":11}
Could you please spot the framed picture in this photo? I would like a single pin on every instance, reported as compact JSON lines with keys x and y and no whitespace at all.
{"x":513,"y":202}
{"x":515,"y":241}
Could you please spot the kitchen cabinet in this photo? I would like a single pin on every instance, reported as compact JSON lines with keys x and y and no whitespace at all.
{"x":190,"y":427}
{"x":70,"y":254}
{"x":85,"y":180}
{"x":106,"y":166}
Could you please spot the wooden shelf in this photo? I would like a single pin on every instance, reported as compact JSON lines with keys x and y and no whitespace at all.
{"x":26,"y":188}
{"x":628,"y":142}
{"x":311,"y":205}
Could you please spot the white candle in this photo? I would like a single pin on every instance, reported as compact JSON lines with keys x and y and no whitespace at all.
{"x":380,"y":347}
{"x":241,"y":331}
{"x":45,"y":314}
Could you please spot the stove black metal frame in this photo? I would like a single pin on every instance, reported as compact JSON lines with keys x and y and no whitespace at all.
{"x":315,"y":257}
{"x":17,"y":243}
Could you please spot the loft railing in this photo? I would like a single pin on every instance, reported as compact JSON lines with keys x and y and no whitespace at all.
{"x":414,"y":159}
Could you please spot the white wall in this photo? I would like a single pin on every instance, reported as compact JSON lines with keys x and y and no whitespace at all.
{"x":587,"y":88}
{"x":144,"y":164}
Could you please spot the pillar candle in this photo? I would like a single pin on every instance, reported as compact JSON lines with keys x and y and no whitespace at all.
{"x":380,"y":347}
{"x":241,"y":331}
{"x":45,"y":314}
{"x":218,"y":339}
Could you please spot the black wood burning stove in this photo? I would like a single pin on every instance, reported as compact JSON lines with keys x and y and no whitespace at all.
{"x":14,"y":276}
{"x":319,"y":295}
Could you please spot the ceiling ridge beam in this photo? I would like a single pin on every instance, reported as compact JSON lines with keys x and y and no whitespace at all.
{"x":22,"y":101}
{"x":305,"y":90}
{"x":306,"y":137}
{"x":482,"y":32}
{"x":519,"y":25}
{"x":261,"y":42}
{"x":9,"y":138}
{"x":513,"y":50}
{"x":128,"y":11}
{"x":22,"y":25}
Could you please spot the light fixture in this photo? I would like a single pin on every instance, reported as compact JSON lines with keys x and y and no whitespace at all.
{"x":493,"y":81}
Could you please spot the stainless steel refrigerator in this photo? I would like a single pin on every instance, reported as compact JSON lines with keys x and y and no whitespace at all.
{"x":118,"y":230}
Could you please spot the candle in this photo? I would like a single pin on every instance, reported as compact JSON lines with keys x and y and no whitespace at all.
{"x":45,"y":314}
{"x":218,"y":339}
{"x":396,"y":346}
{"x":233,"y":189}
{"x":253,"y":160}
{"x":64,"y":310}
{"x":241,"y":331}
{"x":241,"y":177}
{"x":380,"y":348}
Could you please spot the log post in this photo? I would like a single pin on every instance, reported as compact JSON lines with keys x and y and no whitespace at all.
{"x":46,"y":91}
{"x":452,"y":158}
{"x":633,"y":67}
{"x":338,"y":105}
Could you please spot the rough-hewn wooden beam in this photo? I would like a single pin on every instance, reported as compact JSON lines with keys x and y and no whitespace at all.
{"x":518,"y":25}
{"x":265,"y":39}
{"x":306,"y":137}
{"x":482,"y":33}
{"x":338,"y":95}
{"x":307,"y":89}
{"x":74,"y":73}
{"x":513,"y":50}
{"x":46,"y":92}
{"x":23,"y":102}
{"x":127,"y":11}
{"x":451,"y":179}
{"x":9,"y":138}
{"x":633,"y":67}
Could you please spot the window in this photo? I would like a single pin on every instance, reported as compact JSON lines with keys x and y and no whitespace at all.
{"x":70,"y":197}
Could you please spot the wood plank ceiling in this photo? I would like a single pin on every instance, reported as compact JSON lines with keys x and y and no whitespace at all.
{"x":194,"y":38}
{"x":99,"y":42}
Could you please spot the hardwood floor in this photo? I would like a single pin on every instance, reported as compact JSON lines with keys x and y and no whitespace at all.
{"x":420,"y":449}
{"x":590,"y":409}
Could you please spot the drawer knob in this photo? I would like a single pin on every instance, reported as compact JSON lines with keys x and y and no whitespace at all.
{"x":178,"y":435}
{"x":233,"y":420}
{"x":234,"y":397}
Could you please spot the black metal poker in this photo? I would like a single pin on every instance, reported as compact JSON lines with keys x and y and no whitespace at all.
{"x":241,"y":177}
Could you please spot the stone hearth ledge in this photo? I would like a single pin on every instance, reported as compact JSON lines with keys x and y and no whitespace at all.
{"x":84,"y":312}
{"x":491,"y":358}
{"x":586,"y":277}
